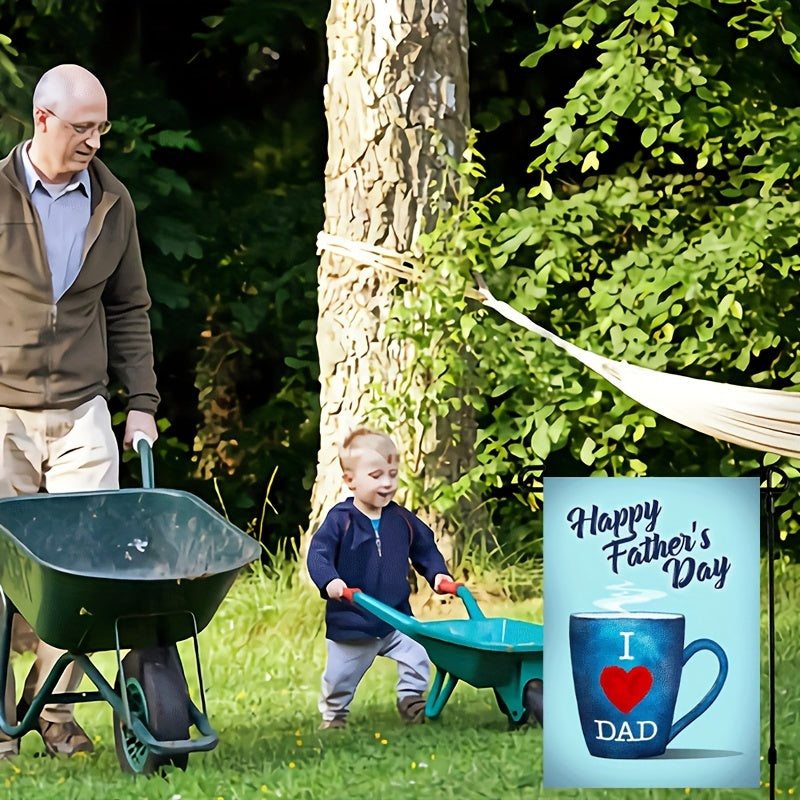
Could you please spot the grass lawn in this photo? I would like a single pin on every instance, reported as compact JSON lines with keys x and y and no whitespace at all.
{"x":262,"y":656}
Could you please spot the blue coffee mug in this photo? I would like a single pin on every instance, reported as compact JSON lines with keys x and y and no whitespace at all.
{"x":626,"y":669}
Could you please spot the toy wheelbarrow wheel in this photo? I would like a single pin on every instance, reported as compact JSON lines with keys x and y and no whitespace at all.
{"x":157,"y":695}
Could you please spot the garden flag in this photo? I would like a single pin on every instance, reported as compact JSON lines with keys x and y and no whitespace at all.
{"x":651,"y":632}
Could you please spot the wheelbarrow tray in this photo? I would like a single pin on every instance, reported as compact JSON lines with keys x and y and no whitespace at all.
{"x":129,"y":568}
{"x":486,"y":652}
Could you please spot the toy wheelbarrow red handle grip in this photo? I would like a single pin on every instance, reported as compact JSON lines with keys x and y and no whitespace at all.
{"x":448,"y":586}
{"x":349,"y":592}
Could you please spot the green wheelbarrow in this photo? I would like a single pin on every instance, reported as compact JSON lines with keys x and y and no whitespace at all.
{"x":487,"y":652}
{"x":126,"y":569}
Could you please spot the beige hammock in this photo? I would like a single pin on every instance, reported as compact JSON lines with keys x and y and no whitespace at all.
{"x":762,"y":419}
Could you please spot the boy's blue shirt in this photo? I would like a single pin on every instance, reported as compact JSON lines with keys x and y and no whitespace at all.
{"x":345,"y":547}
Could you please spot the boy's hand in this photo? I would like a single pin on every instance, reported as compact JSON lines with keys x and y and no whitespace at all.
{"x":438,"y":579}
{"x":335,"y":588}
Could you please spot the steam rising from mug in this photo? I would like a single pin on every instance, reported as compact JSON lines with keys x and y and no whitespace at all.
{"x":626,"y":594}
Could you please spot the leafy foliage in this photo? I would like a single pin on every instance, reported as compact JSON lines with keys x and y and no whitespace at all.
{"x":218,"y":134}
{"x":658,"y":227}
{"x":656,"y":224}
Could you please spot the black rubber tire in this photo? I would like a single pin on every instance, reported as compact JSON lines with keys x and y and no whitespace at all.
{"x":159,"y":696}
{"x":533,"y":700}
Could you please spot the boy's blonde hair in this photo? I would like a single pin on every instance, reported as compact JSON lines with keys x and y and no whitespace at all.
{"x":361,"y":439}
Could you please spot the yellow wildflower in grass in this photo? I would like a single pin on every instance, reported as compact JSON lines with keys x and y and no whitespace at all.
{"x":16,"y":769}
{"x":384,"y":741}
{"x":377,"y":735}
{"x":298,"y":732}
{"x":264,"y":788}
{"x":299,"y":742}
{"x":292,"y":765}
{"x":413,"y":765}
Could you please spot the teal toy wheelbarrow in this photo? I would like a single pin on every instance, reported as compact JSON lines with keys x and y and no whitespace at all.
{"x":487,"y":652}
{"x":128,"y":569}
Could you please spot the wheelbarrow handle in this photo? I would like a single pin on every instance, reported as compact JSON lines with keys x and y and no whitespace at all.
{"x":349,"y":593}
{"x":448,"y":586}
{"x":143,"y":445}
{"x":459,"y":589}
{"x":139,"y":436}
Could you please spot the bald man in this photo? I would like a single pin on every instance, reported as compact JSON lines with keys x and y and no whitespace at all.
{"x":73,"y":310}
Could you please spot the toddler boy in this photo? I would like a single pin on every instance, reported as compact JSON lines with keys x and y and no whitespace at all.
{"x":366,"y":542}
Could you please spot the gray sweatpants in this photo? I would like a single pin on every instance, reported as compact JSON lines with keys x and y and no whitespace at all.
{"x":349,"y":661}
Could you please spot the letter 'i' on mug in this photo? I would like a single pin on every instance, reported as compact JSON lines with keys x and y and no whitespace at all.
{"x":626,"y":669}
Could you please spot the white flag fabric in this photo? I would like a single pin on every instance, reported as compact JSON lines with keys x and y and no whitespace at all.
{"x":762,"y":419}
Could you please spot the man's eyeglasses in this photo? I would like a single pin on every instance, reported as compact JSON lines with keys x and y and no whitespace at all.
{"x":102,"y":128}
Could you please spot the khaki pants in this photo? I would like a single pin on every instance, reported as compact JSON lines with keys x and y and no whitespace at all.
{"x":54,"y":450}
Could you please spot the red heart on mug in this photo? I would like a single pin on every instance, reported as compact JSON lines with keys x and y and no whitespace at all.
{"x":626,"y":688}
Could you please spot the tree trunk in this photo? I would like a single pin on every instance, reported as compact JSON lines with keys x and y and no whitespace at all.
{"x":397,"y":87}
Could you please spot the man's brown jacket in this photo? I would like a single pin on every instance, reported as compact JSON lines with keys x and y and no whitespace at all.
{"x":58,"y":355}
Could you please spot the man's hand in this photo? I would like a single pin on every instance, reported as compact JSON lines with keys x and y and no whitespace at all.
{"x":335,"y":588}
{"x":139,"y":421}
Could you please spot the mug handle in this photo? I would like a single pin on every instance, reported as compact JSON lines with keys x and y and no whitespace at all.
{"x":711,"y":696}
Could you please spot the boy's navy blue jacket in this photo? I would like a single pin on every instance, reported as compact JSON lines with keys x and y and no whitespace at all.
{"x":345,"y":547}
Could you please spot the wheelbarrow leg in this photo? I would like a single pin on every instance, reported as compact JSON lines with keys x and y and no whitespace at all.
{"x":521,"y":698}
{"x":441,"y":689}
{"x":46,"y":693}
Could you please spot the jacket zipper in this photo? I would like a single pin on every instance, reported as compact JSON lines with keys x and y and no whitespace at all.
{"x":53,"y":326}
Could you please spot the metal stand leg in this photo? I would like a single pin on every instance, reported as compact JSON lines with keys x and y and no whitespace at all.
{"x":775,"y":482}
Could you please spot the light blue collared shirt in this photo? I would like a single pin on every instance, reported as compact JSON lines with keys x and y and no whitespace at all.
{"x":64,"y":210}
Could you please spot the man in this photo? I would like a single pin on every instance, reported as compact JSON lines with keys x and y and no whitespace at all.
{"x":73,"y":305}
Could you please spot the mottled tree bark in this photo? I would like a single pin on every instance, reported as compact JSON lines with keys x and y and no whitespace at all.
{"x":397,"y":86}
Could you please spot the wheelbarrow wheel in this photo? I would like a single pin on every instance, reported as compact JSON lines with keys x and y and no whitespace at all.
{"x":532,"y":695}
{"x":159,"y":697}
{"x":533,"y":700}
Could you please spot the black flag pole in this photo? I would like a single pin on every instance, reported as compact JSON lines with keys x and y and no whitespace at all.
{"x":775,"y":482}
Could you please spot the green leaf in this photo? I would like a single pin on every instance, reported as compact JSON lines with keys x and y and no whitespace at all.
{"x":649,"y":135}
{"x":587,"y":451}
{"x":590,"y":161}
